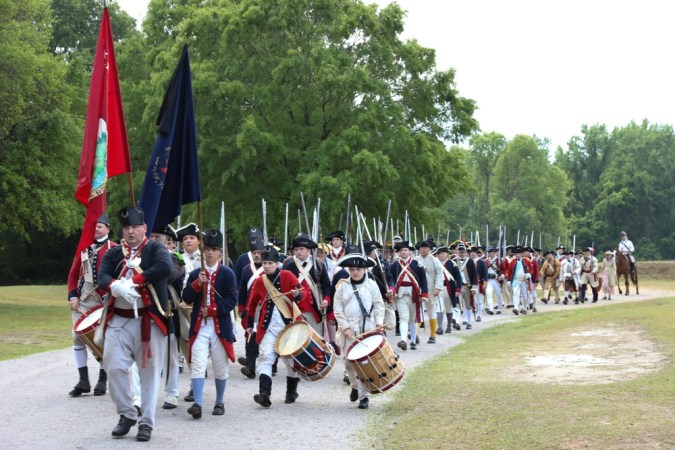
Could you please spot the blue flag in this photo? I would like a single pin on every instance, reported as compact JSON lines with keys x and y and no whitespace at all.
{"x":172,"y":179}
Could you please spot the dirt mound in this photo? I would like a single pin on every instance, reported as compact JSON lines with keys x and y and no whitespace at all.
{"x":591,"y":356}
{"x":656,"y":270}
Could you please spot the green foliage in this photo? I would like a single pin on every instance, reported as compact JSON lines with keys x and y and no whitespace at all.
{"x":38,"y":137}
{"x":624,"y":181}
{"x":313,"y":96}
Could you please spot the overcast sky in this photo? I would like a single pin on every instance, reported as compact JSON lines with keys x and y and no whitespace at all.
{"x":544,"y":67}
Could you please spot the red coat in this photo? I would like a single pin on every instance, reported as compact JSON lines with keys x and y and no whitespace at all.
{"x":534,"y":270}
{"x":527,"y":265}
{"x":258,"y":296}
{"x":76,"y":269}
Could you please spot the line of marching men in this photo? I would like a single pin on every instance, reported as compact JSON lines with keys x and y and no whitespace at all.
{"x":159,"y":302}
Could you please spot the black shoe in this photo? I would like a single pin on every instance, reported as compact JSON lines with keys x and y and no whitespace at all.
{"x":413,"y":346}
{"x":478,"y":319}
{"x":565,"y":302}
{"x":509,"y":306}
{"x":417,"y":339}
{"x":439,"y":330}
{"x":144,"y":433}
{"x":247,"y":372}
{"x":457,"y":326}
{"x":523,"y":312}
{"x":83,"y":386}
{"x":346,"y":379}
{"x":468,"y":326}
{"x":515,"y":311}
{"x":354,"y":395}
{"x":448,"y":329}
{"x":241,"y":360}
{"x":123,"y":427}
{"x":489,"y":311}
{"x":168,"y":405}
{"x":218,"y":409}
{"x":534,"y":309}
{"x":195,"y":411}
{"x":431,"y":340}
{"x":498,"y":312}
{"x":101,"y":388}
{"x":291,"y":390}
{"x":545,"y":301}
{"x":363,"y":404}
{"x":263,"y":400}
{"x":189,"y":397}
{"x":402,"y":345}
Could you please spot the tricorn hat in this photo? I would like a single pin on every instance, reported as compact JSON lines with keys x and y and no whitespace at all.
{"x":167,"y":230}
{"x":442,"y":249}
{"x":424,"y":243}
{"x":403,"y":244}
{"x":131,"y":216}
{"x":302,"y":240}
{"x":335,"y":234}
{"x":191,"y":229}
{"x":354,"y":258}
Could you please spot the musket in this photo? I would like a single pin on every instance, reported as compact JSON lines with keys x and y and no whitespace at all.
{"x":299,"y":222}
{"x":318,"y":215}
{"x":405,"y":227}
{"x":359,"y":235}
{"x":286,"y":231}
{"x":424,"y":235}
{"x":438,"y":235}
{"x":477,"y":238}
{"x":264,"y":217}
{"x":540,"y":247}
{"x":460,"y":234}
{"x":386,"y":226}
{"x":349,"y":205}
{"x":532,"y":239}
{"x":340,"y":227}
{"x":518,"y":238}
{"x":222,"y":225}
{"x":487,"y":237}
{"x":447,"y":238}
{"x":365,"y":225}
{"x":304,"y":210}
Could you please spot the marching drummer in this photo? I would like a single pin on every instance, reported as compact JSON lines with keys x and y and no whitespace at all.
{"x":359,"y":308}
{"x":271,"y":306}
{"x":83,"y":296}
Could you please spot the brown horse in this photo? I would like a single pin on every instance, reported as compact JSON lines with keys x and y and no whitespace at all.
{"x":623,"y":268}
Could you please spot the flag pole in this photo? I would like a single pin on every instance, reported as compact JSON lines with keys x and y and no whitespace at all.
{"x":201,"y":253}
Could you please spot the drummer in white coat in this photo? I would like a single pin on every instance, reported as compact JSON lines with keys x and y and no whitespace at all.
{"x":358,"y":307}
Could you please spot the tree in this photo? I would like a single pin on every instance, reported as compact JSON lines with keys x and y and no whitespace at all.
{"x":312,"y":96}
{"x":38,"y":137}
{"x":529,"y":194}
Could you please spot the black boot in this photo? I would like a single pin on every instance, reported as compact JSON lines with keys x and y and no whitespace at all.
{"x":100,"y":388}
{"x":595,"y":294}
{"x":83,"y":386}
{"x":291,"y":390}
{"x":265,"y":391}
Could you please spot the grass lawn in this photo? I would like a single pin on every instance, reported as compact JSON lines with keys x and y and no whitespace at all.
{"x":33,"y":319}
{"x":463,"y":399}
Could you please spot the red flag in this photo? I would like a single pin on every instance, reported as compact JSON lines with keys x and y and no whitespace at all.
{"x":105,"y":150}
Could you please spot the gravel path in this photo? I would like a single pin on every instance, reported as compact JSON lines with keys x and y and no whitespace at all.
{"x":44,"y":416}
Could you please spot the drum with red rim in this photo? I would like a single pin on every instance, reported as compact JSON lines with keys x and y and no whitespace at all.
{"x":377,"y":366}
{"x":85,"y":327}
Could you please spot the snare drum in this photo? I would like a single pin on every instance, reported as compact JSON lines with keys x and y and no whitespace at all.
{"x":85,"y":327}
{"x":307,"y":352}
{"x":376,"y":364}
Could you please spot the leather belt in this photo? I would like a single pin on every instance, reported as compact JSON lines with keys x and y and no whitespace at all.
{"x":128,"y":313}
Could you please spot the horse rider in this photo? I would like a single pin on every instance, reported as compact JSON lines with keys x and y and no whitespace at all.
{"x":627,"y":248}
